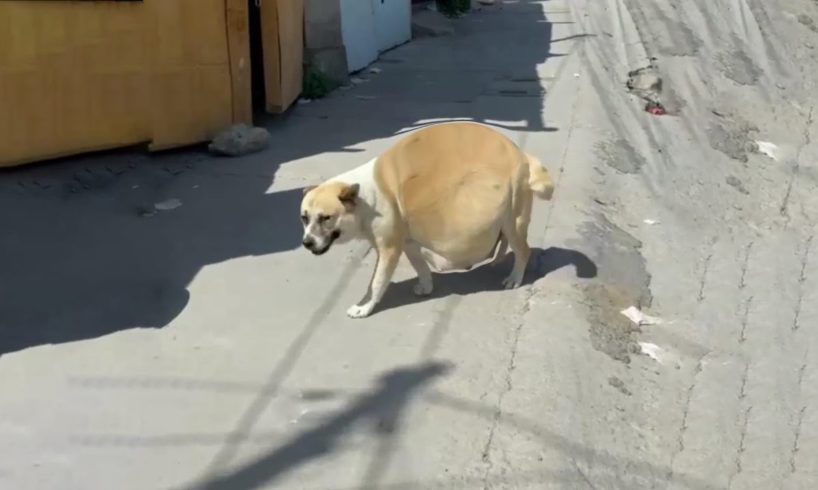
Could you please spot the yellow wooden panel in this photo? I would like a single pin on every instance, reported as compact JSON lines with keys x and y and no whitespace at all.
{"x":80,"y":76}
{"x":191,"y":85}
{"x":282,"y":25}
{"x":238,"y":42}
{"x":73,"y":77}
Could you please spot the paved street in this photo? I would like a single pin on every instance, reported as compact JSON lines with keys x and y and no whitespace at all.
{"x":198,"y":346}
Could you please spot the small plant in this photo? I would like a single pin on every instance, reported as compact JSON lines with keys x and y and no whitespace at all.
{"x":317,"y":84}
{"x":453,"y":8}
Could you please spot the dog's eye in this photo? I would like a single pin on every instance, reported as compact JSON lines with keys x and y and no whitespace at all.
{"x":305,"y":219}
{"x":322,"y":218}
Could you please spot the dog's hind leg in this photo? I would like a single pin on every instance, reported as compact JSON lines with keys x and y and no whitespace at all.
{"x":521,"y":254}
{"x":424,"y":286}
{"x":516,"y":232}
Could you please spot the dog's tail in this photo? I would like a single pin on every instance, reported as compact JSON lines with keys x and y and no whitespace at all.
{"x":539,"y":179}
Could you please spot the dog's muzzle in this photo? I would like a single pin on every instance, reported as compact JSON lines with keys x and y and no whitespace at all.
{"x":310,"y":244}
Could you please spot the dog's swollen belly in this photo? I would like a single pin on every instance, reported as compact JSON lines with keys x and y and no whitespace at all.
{"x":463,"y":255}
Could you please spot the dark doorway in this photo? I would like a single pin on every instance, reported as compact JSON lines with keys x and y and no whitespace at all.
{"x":256,"y":59}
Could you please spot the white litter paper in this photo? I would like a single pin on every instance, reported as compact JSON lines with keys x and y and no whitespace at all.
{"x":652,"y":350}
{"x":167,"y":205}
{"x":769,"y":149}
{"x":651,"y":222}
{"x":636,"y":316}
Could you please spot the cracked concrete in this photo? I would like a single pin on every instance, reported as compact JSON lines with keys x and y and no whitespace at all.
{"x":199,"y":347}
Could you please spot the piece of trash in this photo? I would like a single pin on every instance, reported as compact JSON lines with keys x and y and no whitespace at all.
{"x":655,"y":108}
{"x":304,"y":101}
{"x":645,"y":82}
{"x":375,"y":70}
{"x":767,"y":148}
{"x":636,"y":316}
{"x":652,"y":350}
{"x":651,"y":222}
{"x":357,"y":80}
{"x":167,"y":205}
{"x":576,"y":75}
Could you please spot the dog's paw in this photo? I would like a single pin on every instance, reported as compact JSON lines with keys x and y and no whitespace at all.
{"x":423,"y":289}
{"x":512,"y":281}
{"x":359,"y":311}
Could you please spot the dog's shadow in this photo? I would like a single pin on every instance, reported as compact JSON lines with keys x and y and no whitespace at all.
{"x":489,"y":277}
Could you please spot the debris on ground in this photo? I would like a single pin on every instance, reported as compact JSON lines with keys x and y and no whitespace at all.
{"x":767,"y":148}
{"x":375,"y":70}
{"x":240,"y":139}
{"x":655,"y":108}
{"x":652,"y":350}
{"x":635,"y":315}
{"x":358,"y":80}
{"x":646,"y":84}
{"x":166,"y":205}
{"x":619,"y":385}
{"x":651,"y":222}
{"x":736,"y":183}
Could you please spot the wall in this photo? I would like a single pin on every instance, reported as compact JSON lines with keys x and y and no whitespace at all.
{"x":323,"y":38}
{"x":393,"y":22}
{"x":358,"y":28}
{"x":80,"y":76}
{"x":370,"y":27}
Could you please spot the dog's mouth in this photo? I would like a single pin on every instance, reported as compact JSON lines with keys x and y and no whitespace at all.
{"x":321,"y":251}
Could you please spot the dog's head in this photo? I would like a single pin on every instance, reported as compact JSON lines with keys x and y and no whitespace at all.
{"x":328,"y":215}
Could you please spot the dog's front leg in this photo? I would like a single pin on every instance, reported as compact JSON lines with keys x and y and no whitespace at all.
{"x":387,"y":261}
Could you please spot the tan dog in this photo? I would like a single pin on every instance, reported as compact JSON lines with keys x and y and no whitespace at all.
{"x":448,"y":195}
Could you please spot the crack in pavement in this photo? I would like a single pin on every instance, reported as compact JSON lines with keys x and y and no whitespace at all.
{"x":802,"y":279}
{"x":796,"y":167}
{"x":680,"y":445}
{"x":498,"y":411}
{"x":741,"y":447}
{"x":745,"y":315}
{"x":745,"y":265}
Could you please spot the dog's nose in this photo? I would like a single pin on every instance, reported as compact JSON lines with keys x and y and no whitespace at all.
{"x":308,"y":242}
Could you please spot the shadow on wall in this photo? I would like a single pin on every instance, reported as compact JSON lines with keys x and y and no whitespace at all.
{"x":78,"y":261}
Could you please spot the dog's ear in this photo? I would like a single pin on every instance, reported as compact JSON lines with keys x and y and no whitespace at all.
{"x":349,"y":194}
{"x":309,"y":188}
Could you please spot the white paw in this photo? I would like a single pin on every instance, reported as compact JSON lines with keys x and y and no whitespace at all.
{"x":423,"y":288}
{"x":513,"y":281}
{"x":359,"y":311}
